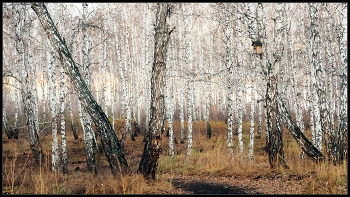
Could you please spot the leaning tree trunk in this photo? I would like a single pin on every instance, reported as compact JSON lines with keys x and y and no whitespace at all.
{"x":149,"y":159}
{"x":108,"y":137}
{"x":298,"y":135}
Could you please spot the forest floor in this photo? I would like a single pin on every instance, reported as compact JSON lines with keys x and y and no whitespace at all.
{"x":210,"y":169}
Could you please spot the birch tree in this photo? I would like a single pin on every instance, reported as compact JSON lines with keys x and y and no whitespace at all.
{"x":230,"y":84}
{"x":209,"y":71}
{"x":148,"y":66}
{"x":19,"y":12}
{"x":314,"y":54}
{"x":170,"y":93}
{"x":62,"y":97}
{"x":343,"y":117}
{"x":275,"y":148}
{"x":86,"y":121}
{"x":190,"y":84}
{"x":109,"y":140}
{"x":253,"y":34}
{"x":150,"y":155}
{"x":239,"y":84}
{"x":181,"y":88}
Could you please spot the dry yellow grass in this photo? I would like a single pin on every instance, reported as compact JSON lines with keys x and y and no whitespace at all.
{"x":209,"y":157}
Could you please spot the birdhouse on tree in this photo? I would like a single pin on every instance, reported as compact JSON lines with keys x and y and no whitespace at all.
{"x":257,"y":47}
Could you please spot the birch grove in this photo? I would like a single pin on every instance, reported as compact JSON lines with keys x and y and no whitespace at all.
{"x":101,"y":72}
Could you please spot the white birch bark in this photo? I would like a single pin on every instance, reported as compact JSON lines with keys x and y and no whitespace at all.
{"x":109,"y":139}
{"x":32,"y":74}
{"x":253,"y":31}
{"x":16,"y":99}
{"x":328,"y":119}
{"x":125,"y":88}
{"x":86,"y":121}
{"x":170,"y":93}
{"x":53,"y":109}
{"x":62,"y":96}
{"x":230,"y":69}
{"x":209,"y":71}
{"x":343,"y":117}
{"x":251,"y":131}
{"x":148,"y":63}
{"x":181,"y":91}
{"x":239,"y":67}
{"x":22,"y":25}
{"x":275,"y":147}
{"x":315,"y":56}
{"x":103,"y":72}
{"x":190,"y":83}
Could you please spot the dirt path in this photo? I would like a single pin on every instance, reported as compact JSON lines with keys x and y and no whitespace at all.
{"x":228,"y":185}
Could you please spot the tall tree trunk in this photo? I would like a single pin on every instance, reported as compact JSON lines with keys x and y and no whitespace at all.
{"x":19,"y":11}
{"x":319,"y":85}
{"x":252,"y":124}
{"x":315,"y":61}
{"x":108,"y":137}
{"x":181,"y":88}
{"x":53,"y":108}
{"x":275,"y":148}
{"x":148,"y":66}
{"x":86,"y":121}
{"x":72,"y":124}
{"x":127,"y":64}
{"x":190,"y":84}
{"x":149,"y":159}
{"x":62,"y":97}
{"x":263,"y":63}
{"x":327,"y":115}
{"x":63,"y":123}
{"x":230,"y":69}
{"x":239,"y":66}
{"x":343,"y":116}
{"x":253,"y":32}
{"x":208,"y":97}
{"x":170,"y":95}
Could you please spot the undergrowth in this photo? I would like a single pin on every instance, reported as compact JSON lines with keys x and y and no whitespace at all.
{"x":209,"y":157}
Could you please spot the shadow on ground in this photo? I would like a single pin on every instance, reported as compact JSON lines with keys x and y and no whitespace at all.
{"x":199,"y":187}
